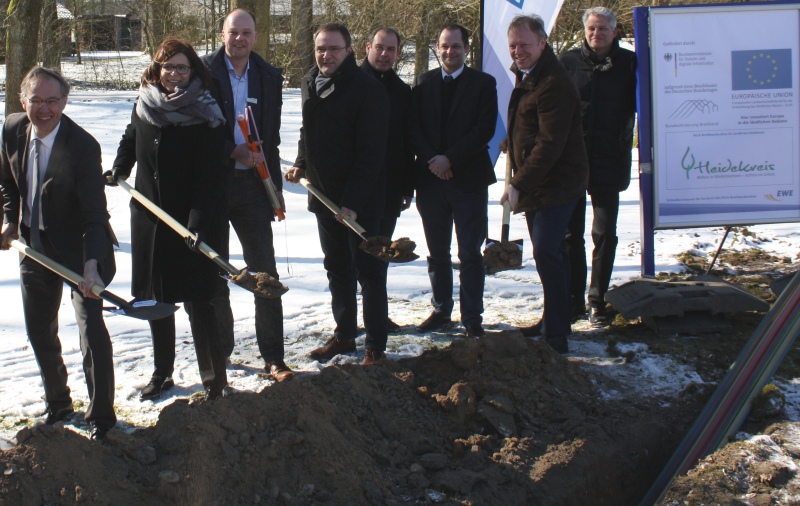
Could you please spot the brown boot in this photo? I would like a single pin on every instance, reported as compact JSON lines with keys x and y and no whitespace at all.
{"x":374,"y":357}
{"x":280,"y":371}
{"x":336,"y":345}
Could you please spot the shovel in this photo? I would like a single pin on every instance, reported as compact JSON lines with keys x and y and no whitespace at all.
{"x":407,"y":255}
{"x":260,"y":284}
{"x":142,"y":310}
{"x":503,"y":255}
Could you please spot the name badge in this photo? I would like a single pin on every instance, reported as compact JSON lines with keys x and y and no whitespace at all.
{"x":252,"y":100}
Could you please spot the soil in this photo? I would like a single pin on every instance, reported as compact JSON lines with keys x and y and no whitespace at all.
{"x":502,"y":256}
{"x":398,"y":251}
{"x":498,"y":420}
{"x":260,"y":283}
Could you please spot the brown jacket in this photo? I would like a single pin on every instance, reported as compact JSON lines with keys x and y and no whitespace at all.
{"x":545,"y":139}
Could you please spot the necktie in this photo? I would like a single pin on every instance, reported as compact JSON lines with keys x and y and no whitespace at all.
{"x":36,"y":241}
{"x":448,"y":79}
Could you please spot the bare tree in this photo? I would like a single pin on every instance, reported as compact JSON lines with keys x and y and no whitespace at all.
{"x":23,"y":31}
{"x":302,"y":15}
{"x":52,"y":35}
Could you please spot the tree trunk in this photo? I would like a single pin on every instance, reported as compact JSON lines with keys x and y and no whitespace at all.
{"x":52,"y":36}
{"x":260,"y":9}
{"x":302,"y":22}
{"x":421,"y":51}
{"x":21,"y":43}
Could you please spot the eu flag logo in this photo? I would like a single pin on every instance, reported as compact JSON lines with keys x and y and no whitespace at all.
{"x":761,"y":69}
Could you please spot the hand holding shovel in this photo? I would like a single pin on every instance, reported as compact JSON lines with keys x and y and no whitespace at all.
{"x":142,"y":310}
{"x":260,"y":283}
{"x":400,"y":251}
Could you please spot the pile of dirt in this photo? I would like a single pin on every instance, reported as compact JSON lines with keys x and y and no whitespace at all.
{"x":500,"y":420}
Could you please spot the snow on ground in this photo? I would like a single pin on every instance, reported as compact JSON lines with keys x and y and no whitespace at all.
{"x":511,"y":297}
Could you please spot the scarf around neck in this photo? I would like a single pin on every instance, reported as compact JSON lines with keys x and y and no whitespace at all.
{"x":189,"y":104}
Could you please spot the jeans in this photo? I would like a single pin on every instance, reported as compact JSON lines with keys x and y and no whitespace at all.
{"x":441,"y":205}
{"x":251,"y":216}
{"x":547,"y":227}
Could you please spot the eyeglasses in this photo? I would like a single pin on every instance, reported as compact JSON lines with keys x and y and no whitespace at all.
{"x":329,"y":49}
{"x":180,"y":69}
{"x":38,"y":102}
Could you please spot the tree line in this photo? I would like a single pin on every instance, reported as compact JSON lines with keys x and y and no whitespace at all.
{"x":33,"y":32}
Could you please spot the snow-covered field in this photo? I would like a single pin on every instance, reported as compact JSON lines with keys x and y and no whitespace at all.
{"x":511,"y":298}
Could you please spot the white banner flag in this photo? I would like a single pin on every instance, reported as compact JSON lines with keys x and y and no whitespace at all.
{"x":497,"y":14}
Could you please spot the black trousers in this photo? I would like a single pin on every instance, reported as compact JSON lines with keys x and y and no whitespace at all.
{"x":250,"y":214}
{"x":605,"y":208}
{"x":41,"y":298}
{"x":347,"y":265}
{"x":207,"y":345}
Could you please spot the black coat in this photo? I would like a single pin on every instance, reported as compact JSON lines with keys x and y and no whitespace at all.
{"x":343,"y":140}
{"x":399,"y":161}
{"x":73,"y":193}
{"x":177,"y":167}
{"x":470,"y":127}
{"x":608,"y":109}
{"x":265,"y":88}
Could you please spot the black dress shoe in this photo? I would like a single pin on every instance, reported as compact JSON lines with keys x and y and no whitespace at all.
{"x":475,"y":330}
{"x":436,"y":321}
{"x":57,"y":415}
{"x":153,"y":389}
{"x":534,"y":330}
{"x":99,"y":430}
{"x":599,"y":318}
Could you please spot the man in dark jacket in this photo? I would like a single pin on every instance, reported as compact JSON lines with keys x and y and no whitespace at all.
{"x":244,"y":79}
{"x":53,"y":190}
{"x":382,"y":51}
{"x":453,"y":118}
{"x":548,"y":161}
{"x":605,"y":75}
{"x":341,"y":150}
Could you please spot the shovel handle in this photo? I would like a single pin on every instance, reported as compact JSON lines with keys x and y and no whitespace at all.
{"x":353,"y":224}
{"x":177,"y":227}
{"x":66,"y":273}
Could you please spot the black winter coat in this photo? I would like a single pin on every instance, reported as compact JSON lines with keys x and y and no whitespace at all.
{"x":608,"y":107}
{"x":399,"y":160}
{"x":177,"y":167}
{"x":343,"y":140}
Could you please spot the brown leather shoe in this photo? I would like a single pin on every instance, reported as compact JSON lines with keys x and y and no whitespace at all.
{"x":280,"y":371}
{"x":374,"y":357}
{"x":336,"y":345}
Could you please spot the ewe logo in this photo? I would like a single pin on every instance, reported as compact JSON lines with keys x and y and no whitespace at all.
{"x":782,"y":194}
{"x":516,"y":3}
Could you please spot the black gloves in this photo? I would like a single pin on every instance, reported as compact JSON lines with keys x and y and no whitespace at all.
{"x":111,"y":176}
{"x":193,"y":244}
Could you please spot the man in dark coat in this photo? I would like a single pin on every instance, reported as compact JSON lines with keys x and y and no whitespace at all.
{"x":341,"y":150}
{"x":605,"y":75}
{"x":548,"y":161}
{"x":52,"y":183}
{"x":453,"y":117}
{"x":244,"y":79}
{"x":382,"y":51}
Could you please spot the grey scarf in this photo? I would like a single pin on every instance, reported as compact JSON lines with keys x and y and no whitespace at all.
{"x":189,"y":104}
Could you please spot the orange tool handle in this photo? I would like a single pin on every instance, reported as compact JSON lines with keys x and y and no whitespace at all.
{"x":261,"y":168}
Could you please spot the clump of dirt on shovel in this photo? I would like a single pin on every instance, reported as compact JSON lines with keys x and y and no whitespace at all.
{"x":502,"y":256}
{"x":399,"y":251}
{"x":260,"y":283}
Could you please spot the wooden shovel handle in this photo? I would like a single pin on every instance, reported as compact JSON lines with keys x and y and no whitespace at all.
{"x":177,"y":227}
{"x":353,"y":224}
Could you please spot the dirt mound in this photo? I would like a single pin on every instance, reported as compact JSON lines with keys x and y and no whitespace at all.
{"x":500,"y":420}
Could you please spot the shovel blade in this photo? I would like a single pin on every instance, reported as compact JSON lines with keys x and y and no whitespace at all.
{"x":145,"y":310}
{"x":502,"y":256}
{"x":261,"y":284}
